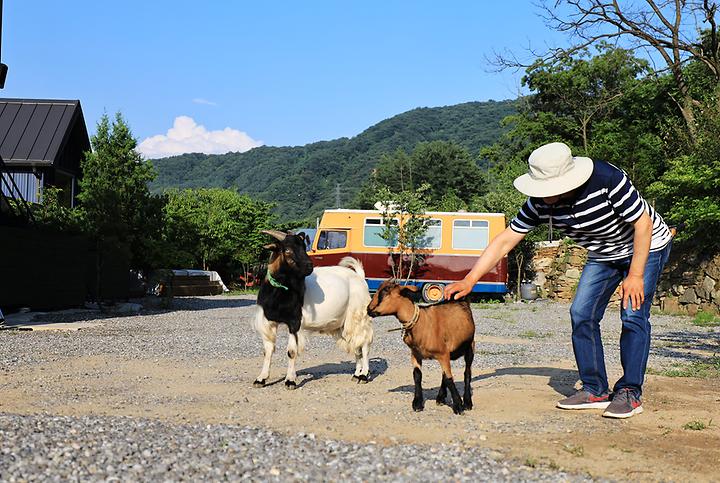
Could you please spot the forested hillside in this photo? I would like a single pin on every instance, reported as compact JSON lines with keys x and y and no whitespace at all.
{"x":302,"y":179}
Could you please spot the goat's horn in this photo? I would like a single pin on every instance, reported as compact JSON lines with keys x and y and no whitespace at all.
{"x":276,"y":234}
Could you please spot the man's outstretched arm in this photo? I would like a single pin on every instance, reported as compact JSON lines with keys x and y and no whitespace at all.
{"x":498,"y":248}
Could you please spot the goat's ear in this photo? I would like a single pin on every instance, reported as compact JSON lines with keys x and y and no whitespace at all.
{"x":411,"y":292}
{"x":271,"y":246}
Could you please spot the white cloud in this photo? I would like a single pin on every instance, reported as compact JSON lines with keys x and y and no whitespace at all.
{"x":186,"y":136}
{"x":200,"y":100}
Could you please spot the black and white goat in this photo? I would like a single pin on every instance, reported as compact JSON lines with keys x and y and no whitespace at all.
{"x":326,"y":300}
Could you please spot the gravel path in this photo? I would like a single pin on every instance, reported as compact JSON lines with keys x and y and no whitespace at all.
{"x":104,"y":449}
{"x":50,"y":447}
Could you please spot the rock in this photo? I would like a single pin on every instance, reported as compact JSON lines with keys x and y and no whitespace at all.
{"x":689,"y":297}
{"x":692,"y":309}
{"x":573,"y":274}
{"x":707,"y":288}
{"x":670,"y":305}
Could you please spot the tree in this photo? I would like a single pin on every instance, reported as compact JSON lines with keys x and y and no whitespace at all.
{"x":116,"y":206}
{"x":603,"y":106}
{"x":667,"y":28}
{"x":214,"y":229}
{"x":689,"y":191}
{"x":442,"y":166}
{"x":404,"y":229}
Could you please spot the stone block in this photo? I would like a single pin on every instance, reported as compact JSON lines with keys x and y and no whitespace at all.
{"x":689,"y":297}
{"x":573,"y":274}
{"x":670,"y":305}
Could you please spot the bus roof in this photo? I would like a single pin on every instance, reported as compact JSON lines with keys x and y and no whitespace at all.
{"x":456,"y":213}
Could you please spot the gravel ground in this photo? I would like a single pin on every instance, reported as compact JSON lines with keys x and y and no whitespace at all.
{"x":103,"y":449}
{"x":49,"y":447}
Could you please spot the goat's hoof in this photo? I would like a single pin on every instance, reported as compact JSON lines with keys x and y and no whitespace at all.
{"x":458,"y":409}
{"x":467,"y":405}
{"x":418,"y":406}
{"x":362,"y":379}
{"x":259,"y":383}
{"x":355,"y":377}
{"x":439,"y":401}
{"x":290,"y":385}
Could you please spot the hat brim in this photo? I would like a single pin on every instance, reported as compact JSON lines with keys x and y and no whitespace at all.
{"x":559,"y":185}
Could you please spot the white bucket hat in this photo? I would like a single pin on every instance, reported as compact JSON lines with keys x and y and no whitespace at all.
{"x":553,"y":171}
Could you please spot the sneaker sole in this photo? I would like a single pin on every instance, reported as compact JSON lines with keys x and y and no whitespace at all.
{"x":595,"y":405}
{"x":635,"y":411}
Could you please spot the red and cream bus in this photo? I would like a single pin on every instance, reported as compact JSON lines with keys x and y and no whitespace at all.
{"x":451,"y":245}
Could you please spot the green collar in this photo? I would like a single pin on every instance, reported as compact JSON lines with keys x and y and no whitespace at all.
{"x":274,"y":282}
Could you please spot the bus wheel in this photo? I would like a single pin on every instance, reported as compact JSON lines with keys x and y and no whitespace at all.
{"x":433,"y":292}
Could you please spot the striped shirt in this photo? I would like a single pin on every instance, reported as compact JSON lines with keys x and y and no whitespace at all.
{"x":600,"y":217}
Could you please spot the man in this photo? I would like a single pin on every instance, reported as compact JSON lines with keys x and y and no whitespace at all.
{"x":596,"y":205}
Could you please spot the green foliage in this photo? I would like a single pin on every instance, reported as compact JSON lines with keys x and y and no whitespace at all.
{"x":115,"y":203}
{"x":214,"y":229}
{"x":53,"y":214}
{"x":405,"y":238}
{"x":301,"y":180}
{"x":702,"y":369}
{"x":689,"y":191}
{"x":445,"y":168}
{"x":603,"y":106}
{"x":697,"y":425}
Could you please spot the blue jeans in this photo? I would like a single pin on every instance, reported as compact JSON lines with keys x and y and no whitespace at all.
{"x":598,"y":281}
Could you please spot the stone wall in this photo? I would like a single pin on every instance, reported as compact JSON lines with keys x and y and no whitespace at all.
{"x":688,"y":284}
{"x":557,"y":267}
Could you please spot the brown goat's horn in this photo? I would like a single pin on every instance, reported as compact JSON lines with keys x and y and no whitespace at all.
{"x":276,"y":234}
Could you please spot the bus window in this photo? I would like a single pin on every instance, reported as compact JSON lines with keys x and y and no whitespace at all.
{"x":373,"y":229}
{"x":433,"y":234}
{"x":331,"y":239}
{"x":470,"y":234}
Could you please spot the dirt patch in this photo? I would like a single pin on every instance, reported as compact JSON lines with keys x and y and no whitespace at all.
{"x":514,"y":410}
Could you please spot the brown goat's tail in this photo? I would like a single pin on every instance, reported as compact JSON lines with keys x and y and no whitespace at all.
{"x":353,"y":264}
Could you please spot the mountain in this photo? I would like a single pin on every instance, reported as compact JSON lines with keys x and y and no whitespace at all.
{"x":302,"y":179}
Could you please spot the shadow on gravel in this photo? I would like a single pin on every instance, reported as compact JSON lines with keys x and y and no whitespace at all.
{"x":561,"y":380}
{"x":378,"y":366}
{"x":677,"y":344}
{"x":197,"y":303}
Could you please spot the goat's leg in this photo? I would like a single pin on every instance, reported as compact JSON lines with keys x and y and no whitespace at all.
{"x":364,"y":375}
{"x":292,"y":353}
{"x":268,"y":331}
{"x":449,"y":382}
{"x":442,"y":393}
{"x":467,"y":396}
{"x":418,"y":404}
{"x":358,"y":365}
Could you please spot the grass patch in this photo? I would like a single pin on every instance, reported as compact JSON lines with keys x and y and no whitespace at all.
{"x":244,"y":291}
{"x":697,"y":425}
{"x":531,"y":334}
{"x":701,"y":369}
{"x":578,"y":451}
{"x":706,"y":319}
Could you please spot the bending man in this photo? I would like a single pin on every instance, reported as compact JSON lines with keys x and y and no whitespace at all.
{"x":596,"y":205}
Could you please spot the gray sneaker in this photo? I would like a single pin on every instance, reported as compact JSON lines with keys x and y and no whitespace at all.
{"x":625,"y":403}
{"x":584,"y":400}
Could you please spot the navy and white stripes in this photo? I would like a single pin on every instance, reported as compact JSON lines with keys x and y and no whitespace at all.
{"x":600,"y":217}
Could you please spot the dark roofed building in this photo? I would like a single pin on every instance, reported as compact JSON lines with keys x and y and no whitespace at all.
{"x":42,"y":143}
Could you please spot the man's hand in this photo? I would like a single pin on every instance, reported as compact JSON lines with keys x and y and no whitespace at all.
{"x":632,"y":288}
{"x":459,"y":289}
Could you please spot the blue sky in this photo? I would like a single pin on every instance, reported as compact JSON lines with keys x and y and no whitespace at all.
{"x":233,"y":74}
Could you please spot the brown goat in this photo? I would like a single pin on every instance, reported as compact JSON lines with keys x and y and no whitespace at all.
{"x":442,"y":332}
